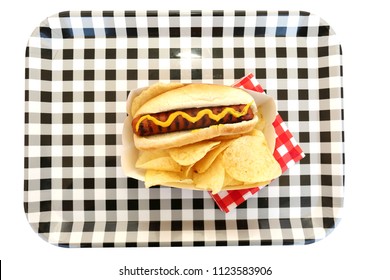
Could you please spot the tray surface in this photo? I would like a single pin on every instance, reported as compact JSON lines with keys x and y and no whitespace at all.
{"x":80,"y":67}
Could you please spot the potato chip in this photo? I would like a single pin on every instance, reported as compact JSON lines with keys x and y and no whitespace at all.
{"x":254,"y":132}
{"x":145,"y":156}
{"x":190,"y":154}
{"x":230,"y":181}
{"x":248,"y":159}
{"x":203,"y":164}
{"x":151,"y":92}
{"x":243,"y":186}
{"x":233,"y":184}
{"x":157,"y":160}
{"x":158,"y":177}
{"x":187,"y":171}
{"x":213,"y":178}
{"x":226,"y":137}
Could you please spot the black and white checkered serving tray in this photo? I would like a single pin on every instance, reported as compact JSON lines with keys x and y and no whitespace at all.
{"x":80,"y":67}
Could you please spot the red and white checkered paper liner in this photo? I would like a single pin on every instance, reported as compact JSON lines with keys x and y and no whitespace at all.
{"x":287,"y":153}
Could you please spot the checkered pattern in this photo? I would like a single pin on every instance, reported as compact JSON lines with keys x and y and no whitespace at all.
{"x":287,"y":152}
{"x":80,"y":67}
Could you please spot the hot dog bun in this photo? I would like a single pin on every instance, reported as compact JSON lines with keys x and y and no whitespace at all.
{"x":194,"y":96}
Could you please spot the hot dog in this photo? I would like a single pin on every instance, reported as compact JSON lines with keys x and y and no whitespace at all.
{"x":146,"y":126}
{"x":190,"y":113}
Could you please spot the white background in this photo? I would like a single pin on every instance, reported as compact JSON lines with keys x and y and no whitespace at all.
{"x":353,"y":249}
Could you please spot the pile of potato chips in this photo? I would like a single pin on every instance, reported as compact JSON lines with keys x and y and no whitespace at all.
{"x":222,"y":163}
